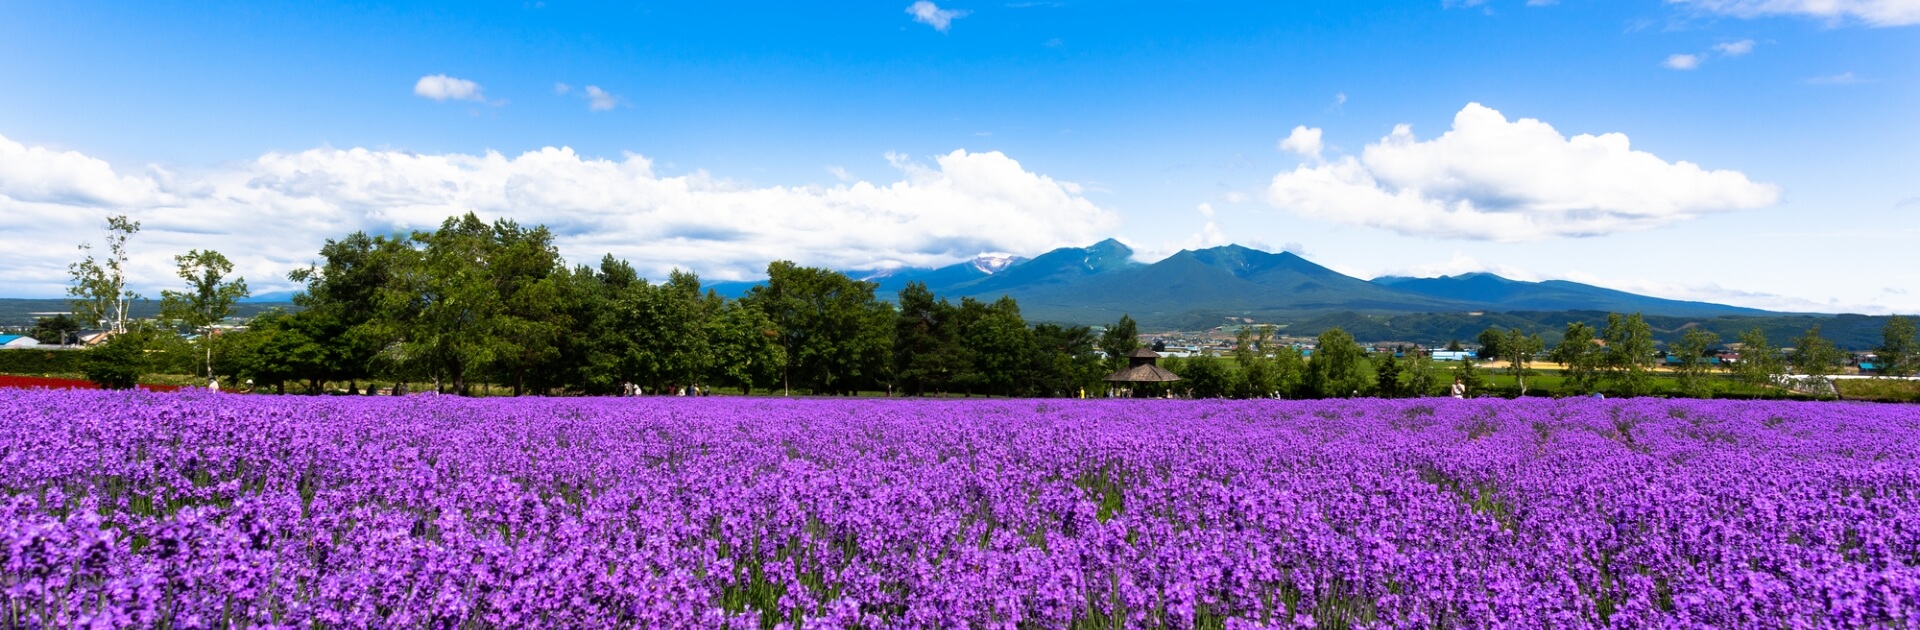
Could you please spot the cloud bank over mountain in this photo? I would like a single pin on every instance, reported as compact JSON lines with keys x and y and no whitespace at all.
{"x":272,"y":213}
{"x":1489,"y":178}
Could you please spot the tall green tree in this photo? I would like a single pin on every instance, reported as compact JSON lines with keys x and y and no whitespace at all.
{"x":1386,"y":371}
{"x":1580,"y":359}
{"x":123,"y":358}
{"x":1000,"y":344}
{"x":836,"y":335}
{"x":1119,"y":339}
{"x":1491,"y":341}
{"x":1694,"y":368}
{"x":209,"y":296}
{"x":1760,"y":364}
{"x":926,"y":350}
{"x":1063,"y":361}
{"x":1337,"y":369}
{"x":1518,"y":349}
{"x":1206,"y":377}
{"x":1817,"y":359}
{"x":746,"y":351}
{"x":344,"y":301}
{"x":1420,"y":378}
{"x":58,"y":329}
{"x":1898,"y":353}
{"x":99,"y":289}
{"x":1629,"y":354}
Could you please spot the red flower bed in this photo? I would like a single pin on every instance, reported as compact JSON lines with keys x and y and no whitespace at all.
{"x":29,"y":382}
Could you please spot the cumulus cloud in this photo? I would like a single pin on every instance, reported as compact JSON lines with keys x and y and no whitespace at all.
{"x":441,"y":87}
{"x":1303,"y":141}
{"x":271,"y":214}
{"x":1493,"y":179}
{"x":1682,"y":61}
{"x":932,"y":15}
{"x":1870,"y":12}
{"x":1734,"y":49}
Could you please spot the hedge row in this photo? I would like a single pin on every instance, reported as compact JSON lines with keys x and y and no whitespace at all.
{"x":31,"y":361}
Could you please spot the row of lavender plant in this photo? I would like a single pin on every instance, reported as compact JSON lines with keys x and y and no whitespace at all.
{"x":199,"y":510}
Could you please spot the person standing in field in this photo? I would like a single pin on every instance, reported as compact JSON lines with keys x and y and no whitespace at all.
{"x":1459,"y":388}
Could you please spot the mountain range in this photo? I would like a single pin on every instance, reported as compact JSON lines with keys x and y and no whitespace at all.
{"x":1203,"y":288}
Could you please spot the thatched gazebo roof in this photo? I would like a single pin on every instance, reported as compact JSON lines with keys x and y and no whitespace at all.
{"x":1140,"y":369}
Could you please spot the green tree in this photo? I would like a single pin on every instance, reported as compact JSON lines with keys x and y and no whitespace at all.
{"x":1420,"y":378}
{"x":926,"y":349}
{"x":1119,"y":339}
{"x":1694,"y":368}
{"x":1629,"y":354}
{"x":1579,"y":358}
{"x":746,"y":352}
{"x":1519,"y":349}
{"x":58,"y":329}
{"x":277,"y":347}
{"x":1206,"y":377}
{"x":1491,"y":341}
{"x":1337,"y":369}
{"x":1817,"y":359}
{"x":343,"y":302}
{"x":1471,"y":376}
{"x":121,"y":360}
{"x":1254,"y":353}
{"x":1000,"y":343}
{"x":1897,"y":352}
{"x":1760,"y":364}
{"x":837,"y":337}
{"x":1386,"y":370}
{"x":99,"y":289}
{"x":209,"y":296}
{"x":1063,"y":360}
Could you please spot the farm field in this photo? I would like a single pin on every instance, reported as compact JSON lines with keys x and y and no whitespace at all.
{"x":202,"y":510}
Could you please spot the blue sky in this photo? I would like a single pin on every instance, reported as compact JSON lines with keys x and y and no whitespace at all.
{"x":1763,"y":152}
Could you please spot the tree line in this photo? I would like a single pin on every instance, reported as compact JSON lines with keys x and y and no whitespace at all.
{"x":476,"y":302}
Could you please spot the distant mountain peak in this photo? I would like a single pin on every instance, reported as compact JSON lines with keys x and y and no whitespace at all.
{"x":995,"y":263}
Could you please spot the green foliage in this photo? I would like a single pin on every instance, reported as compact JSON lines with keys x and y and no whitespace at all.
{"x":1420,"y":378}
{"x":1206,"y":377}
{"x":746,"y":353}
{"x":1386,"y":371}
{"x":1470,"y":376}
{"x":99,"y":289}
{"x":1339,"y":367}
{"x":1491,"y":342}
{"x":56,"y":330}
{"x":40,"y":362}
{"x":1694,"y":369}
{"x":1898,"y":353}
{"x":208,"y":299}
{"x":1519,"y":349}
{"x":1629,"y":354}
{"x":836,"y":335}
{"x":120,"y":361}
{"x":1816,"y":358}
{"x":1118,"y":340}
{"x":1760,"y":363}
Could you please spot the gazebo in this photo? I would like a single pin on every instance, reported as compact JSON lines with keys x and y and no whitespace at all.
{"x":1141,"y":369}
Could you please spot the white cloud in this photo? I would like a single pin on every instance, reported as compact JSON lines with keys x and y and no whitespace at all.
{"x":1734,"y":49}
{"x":1492,"y":179}
{"x":1682,"y":61}
{"x":441,"y":87}
{"x":600,"y":100}
{"x":1233,"y":196}
{"x":271,"y":214}
{"x":840,"y":173}
{"x":1303,"y":141}
{"x":1871,"y":12}
{"x":932,"y":15}
{"x":561,"y":88}
{"x":1844,"y":78}
{"x":1205,"y":209}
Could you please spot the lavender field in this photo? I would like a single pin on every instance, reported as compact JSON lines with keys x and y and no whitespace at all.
{"x":197,"y":510}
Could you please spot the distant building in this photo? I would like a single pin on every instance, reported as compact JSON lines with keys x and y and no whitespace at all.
{"x":18,"y":341}
{"x":1453,"y":355}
